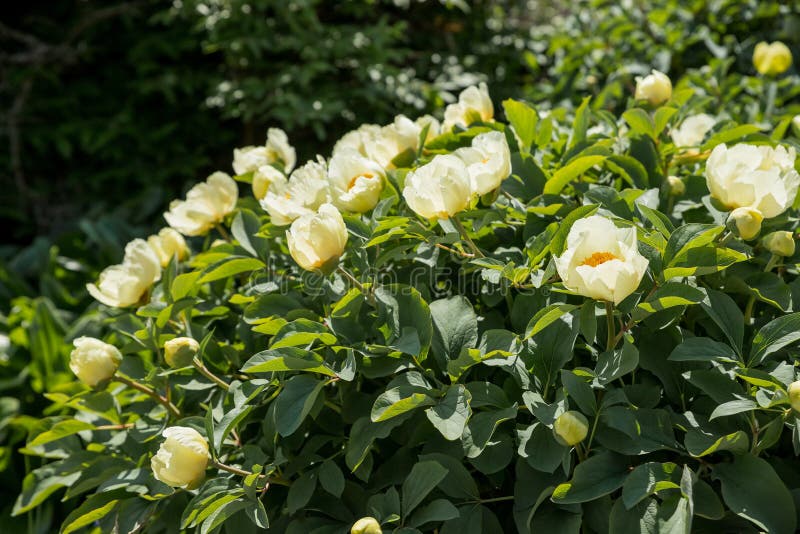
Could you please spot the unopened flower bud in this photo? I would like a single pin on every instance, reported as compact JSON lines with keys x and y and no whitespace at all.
{"x":93,"y":360}
{"x":745,"y":222}
{"x":676,"y":186}
{"x":794,"y":395}
{"x":182,"y":459}
{"x":656,"y":88}
{"x":772,"y":59}
{"x":366,"y":525}
{"x":780,"y":243}
{"x":571,"y":428}
{"x":180,"y":352}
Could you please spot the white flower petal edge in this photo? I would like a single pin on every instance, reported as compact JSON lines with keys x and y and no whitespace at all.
{"x":182,"y":459}
{"x":93,"y":360}
{"x":488,"y":161}
{"x":316,"y":240}
{"x":601,"y":261}
{"x":305,"y":191}
{"x":206,"y":204}
{"x":692,"y":130}
{"x":124,"y":284}
{"x":439,"y":189}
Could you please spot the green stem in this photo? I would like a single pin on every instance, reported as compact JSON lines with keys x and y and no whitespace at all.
{"x":612,"y":335}
{"x":150,"y":392}
{"x":243,"y":472}
{"x":224,"y":233}
{"x":208,"y":374}
{"x":748,"y":309}
{"x":466,"y":237}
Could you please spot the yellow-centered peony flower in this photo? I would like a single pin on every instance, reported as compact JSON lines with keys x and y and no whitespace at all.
{"x":93,"y":360}
{"x":570,"y":428}
{"x":125,"y":284}
{"x":318,"y":239}
{"x":356,"y":181}
{"x":206,"y":205}
{"x":750,"y":176}
{"x":488,"y":161}
{"x":439,"y":189}
{"x":180,"y":351}
{"x":168,"y":243}
{"x":474,"y":105}
{"x":772,"y":59}
{"x":182,"y":459}
{"x":305,"y":191}
{"x":656,"y":88}
{"x":601,"y":261}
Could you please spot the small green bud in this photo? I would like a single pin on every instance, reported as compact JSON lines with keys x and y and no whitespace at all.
{"x":676,"y":186}
{"x":180,"y":352}
{"x":780,"y":243}
{"x":571,"y":428}
{"x":745,"y":222}
{"x":366,"y":525}
{"x":794,"y":395}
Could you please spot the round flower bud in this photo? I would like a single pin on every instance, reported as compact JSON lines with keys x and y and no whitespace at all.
{"x":779,"y":243}
{"x":676,"y":186}
{"x":182,"y":459}
{"x":94,"y":361}
{"x":265,"y":178}
{"x":168,"y":243}
{"x":794,"y":395}
{"x":570,"y":428}
{"x":366,"y":525}
{"x":772,"y":59}
{"x":656,"y":88}
{"x":745,"y":222}
{"x":180,"y":352}
{"x":318,"y":239}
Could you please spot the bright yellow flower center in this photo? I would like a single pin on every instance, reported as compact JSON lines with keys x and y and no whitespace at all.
{"x":354,"y":179}
{"x":597,"y":258}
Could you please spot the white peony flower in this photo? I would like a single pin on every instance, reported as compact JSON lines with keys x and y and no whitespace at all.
{"x":265,"y":178}
{"x":305,"y":191}
{"x":758,"y":177}
{"x":93,"y":360}
{"x":656,"y":88}
{"x":316,"y":240}
{"x":601,"y":261}
{"x":182,"y":459}
{"x":356,"y":182}
{"x":382,"y":144}
{"x":277,"y":151}
{"x":488,"y":161}
{"x":474,"y":105}
{"x":125,"y":284}
{"x":206,"y":204}
{"x":168,"y":243}
{"x":692,"y":130}
{"x":439,"y":189}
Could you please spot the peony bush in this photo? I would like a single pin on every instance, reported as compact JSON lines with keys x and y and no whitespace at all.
{"x":562,"y":321}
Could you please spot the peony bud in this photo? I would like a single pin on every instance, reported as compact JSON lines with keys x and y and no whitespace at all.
{"x":656,"y":88}
{"x":168,"y":243}
{"x":180,"y":352}
{"x":94,"y":361}
{"x":571,"y":428}
{"x":265,"y":178}
{"x":182,"y":459}
{"x":772,"y":59}
{"x":366,"y":525}
{"x":794,"y":395}
{"x":676,"y":186}
{"x":745,"y":222}
{"x":780,"y":243}
{"x":318,"y":239}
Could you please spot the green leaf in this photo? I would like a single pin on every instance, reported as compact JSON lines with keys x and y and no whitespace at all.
{"x":731,"y":134}
{"x":397,"y":401}
{"x":424,"y":476}
{"x":455,"y":327}
{"x":773,"y":336}
{"x":640,"y":122}
{"x":563,"y":176}
{"x":558,"y":244}
{"x":451,"y":413}
{"x":300,"y":491}
{"x":752,"y":490}
{"x":613,"y":364}
{"x":597,"y":476}
{"x":302,"y":333}
{"x":295,"y":402}
{"x":727,"y":315}
{"x":700,"y":444}
{"x":481,"y":428}
{"x":547,"y":316}
{"x":60,"y":430}
{"x":539,"y":448}
{"x":244,"y":228}
{"x":231,"y":266}
{"x":523,"y":119}
{"x":579,"y":390}
{"x":702,"y":349}
{"x":669,"y":295}
{"x":689,"y":236}
{"x":287,"y":359}
{"x":648,"y":479}
{"x":94,"y":508}
{"x":438,"y":510}
{"x":331,"y":478}
{"x":770,"y":288}
{"x":184,"y":285}
{"x":733,"y":407}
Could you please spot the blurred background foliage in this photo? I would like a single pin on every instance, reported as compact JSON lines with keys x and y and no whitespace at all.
{"x":109,"y":109}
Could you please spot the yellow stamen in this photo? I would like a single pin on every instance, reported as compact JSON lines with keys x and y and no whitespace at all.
{"x":597,"y":258}
{"x":353,"y":181}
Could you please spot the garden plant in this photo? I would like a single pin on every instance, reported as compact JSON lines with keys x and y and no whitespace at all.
{"x":499,"y":317}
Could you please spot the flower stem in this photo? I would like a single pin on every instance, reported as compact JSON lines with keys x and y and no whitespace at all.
{"x":611,"y":338}
{"x":353,"y":280}
{"x":243,"y":472}
{"x":748,"y":309}
{"x":224,"y":233}
{"x":208,"y":374}
{"x":171,"y":408}
{"x":466,"y":237}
